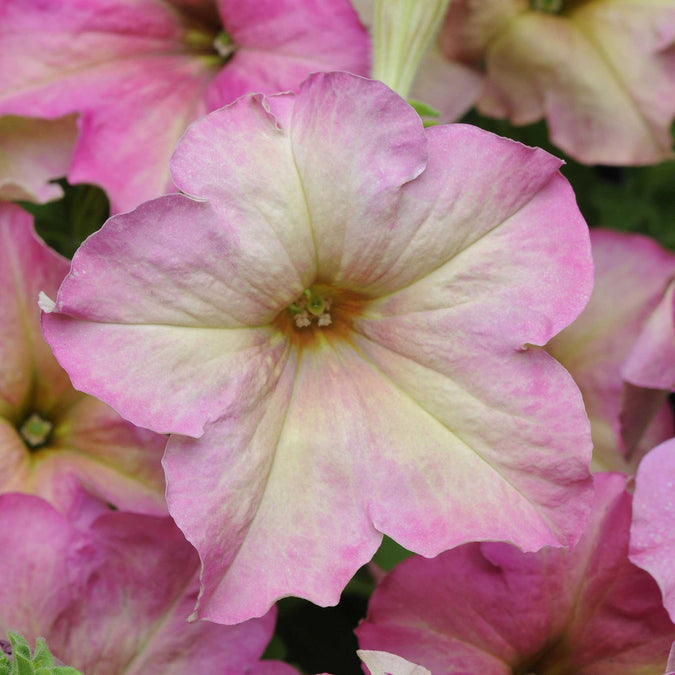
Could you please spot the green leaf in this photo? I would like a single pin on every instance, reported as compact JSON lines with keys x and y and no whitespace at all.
{"x":64,"y":224}
{"x":22,"y":662}
{"x":390,"y":554}
{"x":423,"y":109}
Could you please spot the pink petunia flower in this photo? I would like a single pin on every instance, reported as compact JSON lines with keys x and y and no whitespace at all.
{"x":491,"y":609}
{"x":652,"y":544}
{"x":140,"y":72}
{"x":602,"y":72}
{"x":56,"y":442}
{"x":340,"y":331}
{"x":114,"y":598}
{"x":616,"y":350}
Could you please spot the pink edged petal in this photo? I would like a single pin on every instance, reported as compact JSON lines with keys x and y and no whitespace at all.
{"x":651,"y":363}
{"x":492,"y":609}
{"x":145,"y":379}
{"x":483,"y":191}
{"x":652,"y":544}
{"x":307,"y":472}
{"x":33,"y":152}
{"x":383,"y":663}
{"x":240,"y":159}
{"x":115,"y":597}
{"x":376,"y":144}
{"x":290,"y":495}
{"x":632,"y":273}
{"x":27,"y":266}
{"x":187,"y":287}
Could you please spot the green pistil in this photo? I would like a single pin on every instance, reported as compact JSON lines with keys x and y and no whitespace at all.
{"x":36,"y":431}
{"x":548,"y":6}
{"x":311,"y":307}
{"x":224,"y":45}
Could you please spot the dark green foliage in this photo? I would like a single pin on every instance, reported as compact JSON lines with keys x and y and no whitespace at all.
{"x":22,"y":662}
{"x":66,"y":223}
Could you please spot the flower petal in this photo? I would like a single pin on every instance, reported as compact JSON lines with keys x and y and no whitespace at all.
{"x":33,"y":152}
{"x":652,"y":543}
{"x":492,"y":609}
{"x":632,"y":273}
{"x":113,"y":598}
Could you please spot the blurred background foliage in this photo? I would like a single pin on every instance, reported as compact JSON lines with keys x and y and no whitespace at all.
{"x":636,"y":199}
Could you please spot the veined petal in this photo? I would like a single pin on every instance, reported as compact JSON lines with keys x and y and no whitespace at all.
{"x":338,"y":453}
{"x":102,"y":607}
{"x":240,"y":159}
{"x":354,"y":152}
{"x":479,"y":189}
{"x":492,"y":609}
{"x":145,"y":381}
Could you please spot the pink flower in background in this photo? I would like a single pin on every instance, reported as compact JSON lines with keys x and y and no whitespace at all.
{"x":140,"y":72}
{"x":604,"y":347}
{"x":33,"y":152}
{"x":602,"y":72}
{"x":115,"y":597}
{"x":56,"y":442}
{"x":493,"y":610}
{"x":340,"y":331}
{"x":652,"y":544}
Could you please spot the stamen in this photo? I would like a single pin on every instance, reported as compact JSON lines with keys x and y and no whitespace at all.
{"x":311,"y":307}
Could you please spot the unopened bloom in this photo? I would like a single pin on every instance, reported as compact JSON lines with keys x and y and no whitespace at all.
{"x":61,"y":444}
{"x":494,"y":610}
{"x":621,"y":349}
{"x":602,"y":72}
{"x":423,"y":409}
{"x":115,"y":597}
{"x":138,"y":73}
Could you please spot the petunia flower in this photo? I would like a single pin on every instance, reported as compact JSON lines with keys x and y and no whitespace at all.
{"x":114,"y":598}
{"x":339,"y":327}
{"x":33,"y":152}
{"x":494,"y":610}
{"x":140,"y":72}
{"x":603,"y":348}
{"x":652,"y":543}
{"x":602,"y":72}
{"x":56,"y":442}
